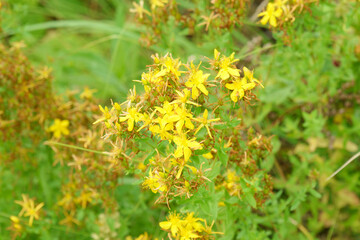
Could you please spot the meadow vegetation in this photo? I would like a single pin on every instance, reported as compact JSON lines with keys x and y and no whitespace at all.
{"x":191,"y":119}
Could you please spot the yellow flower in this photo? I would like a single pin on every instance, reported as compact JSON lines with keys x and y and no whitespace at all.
{"x":139,"y":9}
{"x":205,"y":122}
{"x":174,"y":223}
{"x":16,"y":227}
{"x":249,"y":75}
{"x":184,"y":146}
{"x":239,"y":86}
{"x":193,"y":222}
{"x":155,"y":182}
{"x":227,"y":69}
{"x":69,"y":219}
{"x":45,"y":72}
{"x":188,"y":233}
{"x":163,"y":129}
{"x":106,"y":114}
{"x":197,"y":81}
{"x":29,"y":209}
{"x":158,"y":3}
{"x":182,"y":98}
{"x":132,"y":116}
{"x":270,"y":15}
{"x":66,"y":202}
{"x":182,"y":117}
{"x":170,"y":65}
{"x":87,"y":93}
{"x":59,"y":127}
{"x":84,"y":198}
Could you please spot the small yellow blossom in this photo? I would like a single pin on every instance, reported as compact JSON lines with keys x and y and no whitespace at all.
{"x":197,"y":82}
{"x":239,"y":86}
{"x":45,"y":72}
{"x":205,"y":122}
{"x":183,"y":98}
{"x":29,"y":209}
{"x":182,"y":117}
{"x":16,"y":228}
{"x":227,"y":69}
{"x":59,"y":127}
{"x":170,"y":66}
{"x":69,"y":219}
{"x":174,"y":223}
{"x":87,"y":93}
{"x":106,"y":114}
{"x":185,"y":145}
{"x":270,"y":15}
{"x":249,"y":76}
{"x":139,"y":9}
{"x":163,"y":129}
{"x":157,"y":3}
{"x":155,"y":181}
{"x":84,"y":198}
{"x":132,"y":116}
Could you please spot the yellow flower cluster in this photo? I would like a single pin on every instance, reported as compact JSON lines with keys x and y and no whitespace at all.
{"x":186,"y":228}
{"x":281,"y":11}
{"x":175,"y":107}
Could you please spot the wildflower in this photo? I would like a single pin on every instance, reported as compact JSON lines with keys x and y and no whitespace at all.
{"x":239,"y":86}
{"x":84,"y":198}
{"x":208,"y":229}
{"x":146,"y":119}
{"x":205,"y":122}
{"x":185,"y":145}
{"x":106,"y":114}
{"x":166,"y":110}
{"x":24,"y":204}
{"x":16,"y":222}
{"x":188,"y":233}
{"x":207,"y":20}
{"x":270,"y":15}
{"x":249,"y":75}
{"x":155,"y":182}
{"x":59,"y":127}
{"x":182,"y":98}
{"x":66,"y":202}
{"x":69,"y":219}
{"x":197,"y":82}
{"x":139,"y":9}
{"x":132,"y":116}
{"x":157,"y":3}
{"x":193,"y":222}
{"x":29,"y":209}
{"x":163,"y":129}
{"x":16,"y":228}
{"x":170,"y":65}
{"x":44,"y":73}
{"x":132,"y":96}
{"x":226,"y":67}
{"x":174,"y":223}
{"x":87,"y":93}
{"x":182,"y":117}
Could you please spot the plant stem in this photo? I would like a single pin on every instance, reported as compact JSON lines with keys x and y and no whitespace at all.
{"x":75,"y":147}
